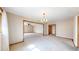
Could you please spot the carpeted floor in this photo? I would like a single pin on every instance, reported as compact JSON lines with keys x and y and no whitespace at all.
{"x":37,"y":42}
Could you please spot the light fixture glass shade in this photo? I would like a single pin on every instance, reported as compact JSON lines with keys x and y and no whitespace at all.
{"x":44,"y":20}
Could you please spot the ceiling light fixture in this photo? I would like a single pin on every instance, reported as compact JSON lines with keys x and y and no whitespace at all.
{"x":44,"y":20}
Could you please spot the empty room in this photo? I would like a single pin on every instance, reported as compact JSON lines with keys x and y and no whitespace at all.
{"x":39,"y":28}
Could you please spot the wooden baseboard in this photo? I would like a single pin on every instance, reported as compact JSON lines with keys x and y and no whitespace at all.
{"x":70,"y":39}
{"x":16,"y":43}
{"x":74,"y":43}
{"x":64,"y":37}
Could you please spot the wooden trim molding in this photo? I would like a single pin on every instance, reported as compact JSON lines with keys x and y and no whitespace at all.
{"x":16,"y":43}
{"x":32,"y":22}
{"x":65,"y":37}
{"x":52,"y":26}
{"x":74,"y":43}
{"x":69,"y":39}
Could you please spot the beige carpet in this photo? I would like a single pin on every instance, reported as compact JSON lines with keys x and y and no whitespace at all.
{"x":43,"y":43}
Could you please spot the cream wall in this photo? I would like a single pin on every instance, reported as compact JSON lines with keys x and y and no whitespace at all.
{"x":0,"y":41}
{"x":0,"y":33}
{"x":15,"y":24}
{"x":0,"y":23}
{"x":64,"y":28}
{"x":28,"y":28}
{"x":75,"y":31}
{"x":38,"y":28}
{"x":4,"y":33}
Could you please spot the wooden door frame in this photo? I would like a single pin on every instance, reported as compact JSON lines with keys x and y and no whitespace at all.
{"x":49,"y":30}
{"x":55,"y":28}
{"x":52,"y":26}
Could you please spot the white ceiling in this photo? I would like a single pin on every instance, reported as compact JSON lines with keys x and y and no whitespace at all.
{"x":53,"y":13}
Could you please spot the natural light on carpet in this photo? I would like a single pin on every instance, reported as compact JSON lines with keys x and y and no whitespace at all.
{"x":33,"y":48}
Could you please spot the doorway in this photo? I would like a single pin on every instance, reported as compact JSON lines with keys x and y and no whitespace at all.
{"x":52,"y":29}
{"x":32,"y":29}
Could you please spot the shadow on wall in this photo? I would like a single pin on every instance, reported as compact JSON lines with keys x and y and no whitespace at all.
{"x":28,"y":28}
